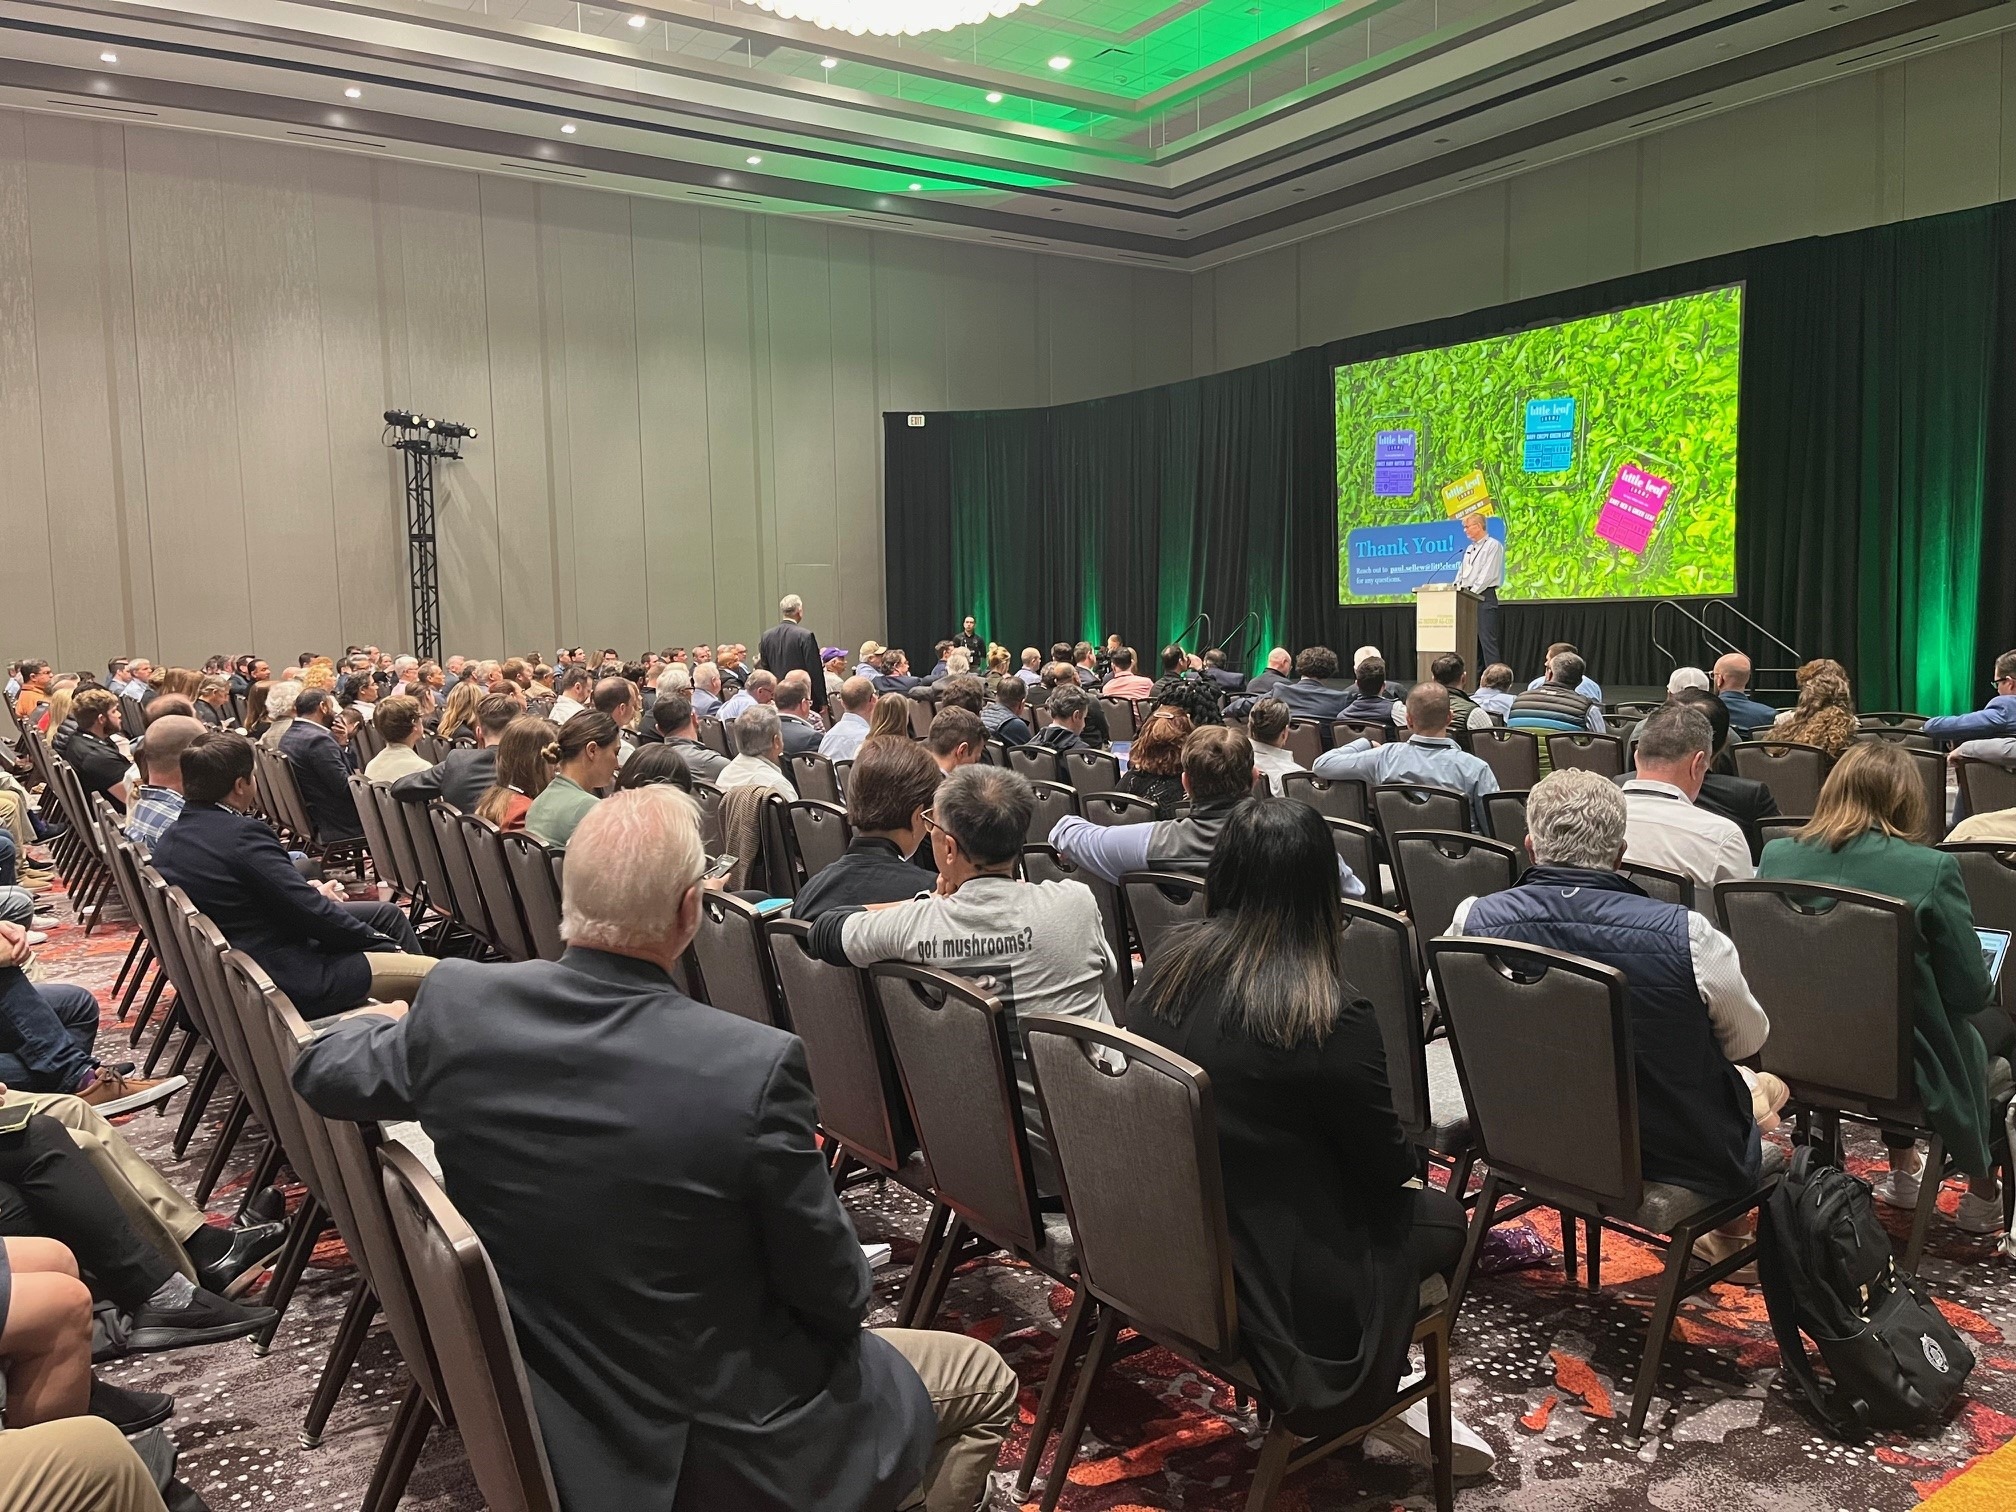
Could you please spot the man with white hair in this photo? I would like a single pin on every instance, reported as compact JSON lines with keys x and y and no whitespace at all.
{"x":788,"y":647}
{"x":759,"y":736}
{"x":1692,"y":1014}
{"x":405,"y":671}
{"x":280,"y":698}
{"x":707,"y":1346}
{"x":706,"y":688}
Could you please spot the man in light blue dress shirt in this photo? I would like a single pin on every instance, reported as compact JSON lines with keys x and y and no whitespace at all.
{"x":1430,"y":757}
{"x":1483,"y":573}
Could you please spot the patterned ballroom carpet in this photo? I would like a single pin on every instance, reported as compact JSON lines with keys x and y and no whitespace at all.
{"x":1543,"y":1372}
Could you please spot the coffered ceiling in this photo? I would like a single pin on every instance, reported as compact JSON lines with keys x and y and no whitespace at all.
{"x":1178,"y":132}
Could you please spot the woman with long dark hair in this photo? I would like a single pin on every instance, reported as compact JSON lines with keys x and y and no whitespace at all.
{"x":1331,"y":1233}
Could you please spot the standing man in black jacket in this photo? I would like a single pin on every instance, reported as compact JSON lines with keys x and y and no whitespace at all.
{"x":788,"y":647}
{"x":465,"y":774}
{"x":706,"y":1350}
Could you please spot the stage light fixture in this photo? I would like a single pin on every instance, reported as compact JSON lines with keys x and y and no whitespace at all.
{"x":406,"y":419}
{"x":914,"y":188}
{"x":451,"y":429}
{"x":353,"y":93}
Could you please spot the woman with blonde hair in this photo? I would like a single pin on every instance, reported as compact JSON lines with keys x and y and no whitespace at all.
{"x":1868,"y":831}
{"x":182,"y":682}
{"x":458,"y":715}
{"x":522,"y":772}
{"x":891,"y":716}
{"x":1825,"y":713}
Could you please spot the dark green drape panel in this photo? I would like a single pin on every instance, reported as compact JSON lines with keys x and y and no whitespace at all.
{"x":1877,"y":471}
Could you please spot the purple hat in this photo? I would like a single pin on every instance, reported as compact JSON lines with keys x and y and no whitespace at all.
{"x":827,"y":653}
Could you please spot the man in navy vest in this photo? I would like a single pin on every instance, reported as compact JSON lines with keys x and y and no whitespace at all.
{"x":1692,"y":1014}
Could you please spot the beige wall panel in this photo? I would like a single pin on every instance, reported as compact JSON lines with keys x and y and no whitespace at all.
{"x":1953,"y":128}
{"x":27,"y":575}
{"x":1161,"y":321}
{"x":1745,"y":179}
{"x":676,"y":433}
{"x":1574,"y":223}
{"x":1849,"y":126}
{"x":990,"y":329}
{"x":1088,"y":327}
{"x":857,"y":444}
{"x":282,"y":410}
{"x":799,"y":384}
{"x":913,"y":303}
{"x":188,"y":399}
{"x":125,"y":443}
{"x":728,"y":297}
{"x":1255,"y":305}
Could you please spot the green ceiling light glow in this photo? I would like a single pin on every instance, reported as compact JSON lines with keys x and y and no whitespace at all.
{"x":916,"y":188}
{"x":993,"y":97}
{"x":1060,"y":62}
{"x":891,"y":18}
{"x":752,"y":161}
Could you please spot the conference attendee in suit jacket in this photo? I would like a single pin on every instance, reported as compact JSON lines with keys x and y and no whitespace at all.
{"x":704,"y":1350}
{"x":325,"y":955}
{"x":1307,"y":697}
{"x":321,"y":771}
{"x":466,"y":773}
{"x":1743,"y":799}
{"x":789,"y":647}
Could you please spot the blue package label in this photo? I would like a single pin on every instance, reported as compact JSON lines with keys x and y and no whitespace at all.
{"x":1397,"y":559}
{"x":1394,"y":455}
{"x":1550,"y":435}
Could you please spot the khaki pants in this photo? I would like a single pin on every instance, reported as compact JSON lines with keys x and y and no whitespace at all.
{"x":396,"y":977}
{"x":14,"y":819}
{"x":974,"y":1394}
{"x":80,"y":1464}
{"x":159,"y":1214}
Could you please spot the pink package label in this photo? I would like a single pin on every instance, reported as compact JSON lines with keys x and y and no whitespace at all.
{"x":1631,"y":513}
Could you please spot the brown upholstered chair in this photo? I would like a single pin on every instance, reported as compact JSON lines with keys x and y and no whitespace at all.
{"x":1512,"y":755}
{"x":1438,"y":869}
{"x":1794,"y":772}
{"x":1159,"y":901}
{"x":734,"y":963}
{"x":1333,"y":797}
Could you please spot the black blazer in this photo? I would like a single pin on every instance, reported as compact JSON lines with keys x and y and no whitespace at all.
{"x":800,"y":735}
{"x":324,"y":780}
{"x":644,"y":1172}
{"x":235,"y":871}
{"x":463,"y":776}
{"x":1743,"y":799}
{"x":787,"y":648}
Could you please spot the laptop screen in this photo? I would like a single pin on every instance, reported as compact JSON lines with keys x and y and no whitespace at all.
{"x":1994,"y":950}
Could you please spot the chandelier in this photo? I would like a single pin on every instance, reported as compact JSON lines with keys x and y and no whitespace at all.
{"x":891,"y":18}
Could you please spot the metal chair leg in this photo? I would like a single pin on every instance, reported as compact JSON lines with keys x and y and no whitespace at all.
{"x":1595,"y":1255}
{"x":1679,"y":1251}
{"x":1928,"y":1203}
{"x":921,"y":1266}
{"x":132,"y":954}
{"x":343,"y":1353}
{"x":199,"y":1100}
{"x":1571,"y":1260}
{"x":1480,"y":1224}
{"x":1074,"y":1420}
{"x":309,"y":1221}
{"x":147,"y":1007}
{"x":1068,"y":1343}
{"x":264,"y":1174}
{"x":220,"y":1153}
{"x":1441,"y":1433}
{"x":1275,"y":1452}
{"x":408,"y":1436}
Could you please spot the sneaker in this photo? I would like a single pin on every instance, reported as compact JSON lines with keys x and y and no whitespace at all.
{"x":206,"y":1319}
{"x":1407,"y":1434}
{"x":112,"y":1094}
{"x":36,"y":937}
{"x":130,"y":1411}
{"x":1899,"y":1189}
{"x":1979,"y":1215}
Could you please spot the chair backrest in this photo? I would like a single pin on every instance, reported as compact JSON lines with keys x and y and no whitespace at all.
{"x":432,"y":749}
{"x":1358,"y":848}
{"x":537,"y":890}
{"x":1512,"y":755}
{"x":1092,"y":771}
{"x":1136,"y":1141}
{"x":1117,"y":808}
{"x":287,"y":794}
{"x":203,"y":952}
{"x":1344,"y":731}
{"x":782,"y":872}
{"x":367,"y":741}
{"x":279,"y":1106}
{"x":820,"y":834}
{"x":1779,"y":827}
{"x":711,"y":734}
{"x":1666,"y":886}
{"x":1402,"y":806}
{"x":1931,"y":765}
{"x":1333,"y":797}
{"x":1053,"y":802}
{"x":465,"y":898}
{"x":1122,"y":722}
{"x":813,"y":775}
{"x":1306,"y":739}
{"x":1891,"y":719}
{"x":376,"y":841}
{"x":1986,"y":785}
{"x":1159,"y":901}
{"x":1542,"y":1043}
{"x":132,"y":716}
{"x":1988,"y":872}
{"x":734,"y":964}
{"x":953,"y":1052}
{"x":1041,"y":863}
{"x":846,"y":1048}
{"x":399,"y":836}
{"x":922,"y":711}
{"x":485,"y":848}
{"x":840,"y":771}
{"x":170,"y":945}
{"x":1505,"y":817}
{"x":1379,"y":960}
{"x":707,"y":798}
{"x":477,"y":1350}
{"x":1587,"y":752}
{"x":1438,"y":869}
{"x":1037,"y":763}
{"x":1832,"y":967}
{"x":1792,"y":771}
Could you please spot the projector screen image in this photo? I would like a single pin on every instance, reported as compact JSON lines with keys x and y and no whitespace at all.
{"x":1601,"y":452}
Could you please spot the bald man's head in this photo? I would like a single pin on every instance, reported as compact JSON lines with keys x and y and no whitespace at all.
{"x":161,"y":748}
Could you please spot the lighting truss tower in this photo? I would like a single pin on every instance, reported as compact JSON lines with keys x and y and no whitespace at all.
{"x":422,"y":441}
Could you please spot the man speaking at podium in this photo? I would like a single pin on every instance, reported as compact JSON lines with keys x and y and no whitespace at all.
{"x":1483,"y":573}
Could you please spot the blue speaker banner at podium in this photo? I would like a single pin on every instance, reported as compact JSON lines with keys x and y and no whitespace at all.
{"x":1397,"y":559}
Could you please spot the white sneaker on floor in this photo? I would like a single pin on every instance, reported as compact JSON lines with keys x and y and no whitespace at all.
{"x":1899,"y":1189}
{"x":36,"y":937}
{"x":1979,"y":1215}
{"x":1408,"y":1434}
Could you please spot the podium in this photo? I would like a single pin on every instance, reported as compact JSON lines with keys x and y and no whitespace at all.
{"x":1445,"y":619}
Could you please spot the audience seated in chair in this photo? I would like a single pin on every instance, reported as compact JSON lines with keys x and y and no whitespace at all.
{"x":1429,"y":757}
{"x":1556,"y":702}
{"x":280,"y":698}
{"x":677,"y":727}
{"x":957,"y":739}
{"x":160,"y":757}
{"x":708,"y":1348}
{"x":800,"y":731}
{"x":1692,"y":1013}
{"x":1744,"y":800}
{"x":1370,"y":702}
{"x":326,"y":954}
{"x":1996,"y":719}
{"x":1069,"y":709}
{"x":466,"y":773}
{"x":890,"y":790}
{"x":1494,"y":696}
{"x":759,"y":737}
{"x":522,"y":771}
{"x":857,"y":703}
{"x":1732,"y":684}
{"x":1155,"y":760}
{"x":316,"y":746}
{"x":98,"y":762}
{"x":47,"y":1034}
{"x":397,"y":720}
{"x":1464,"y":712}
{"x":1866,"y":833}
{"x":583,"y":755}
{"x":1667,"y":828}
{"x":1184,"y":686}
{"x":1308,"y":697}
{"x":758,"y":690}
{"x":1824,"y":716}
{"x":1332,"y":1233}
{"x":1003,"y":715}
{"x":1125,"y":681}
{"x":1095,"y":732}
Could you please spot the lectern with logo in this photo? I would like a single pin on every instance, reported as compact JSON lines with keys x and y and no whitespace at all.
{"x":1445,"y":619}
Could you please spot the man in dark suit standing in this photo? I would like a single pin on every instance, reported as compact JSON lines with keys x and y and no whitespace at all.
{"x":326,"y":955}
{"x":320,"y":770}
{"x":466,"y":773}
{"x":706,"y":1351}
{"x":789,"y":647}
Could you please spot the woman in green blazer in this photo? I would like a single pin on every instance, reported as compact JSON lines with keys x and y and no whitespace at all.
{"x":1863,"y":834}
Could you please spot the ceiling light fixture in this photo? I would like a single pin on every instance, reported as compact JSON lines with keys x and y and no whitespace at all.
{"x":752,"y":161}
{"x":108,"y":57}
{"x":829,"y":63}
{"x":993,"y":97}
{"x":640,"y":22}
{"x":891,"y":18}
{"x":568,"y":128}
{"x":1060,"y":62}
{"x":353,"y":93}
{"x":916,"y":188}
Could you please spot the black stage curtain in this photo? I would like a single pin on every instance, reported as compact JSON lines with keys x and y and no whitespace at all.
{"x":1875,"y":482}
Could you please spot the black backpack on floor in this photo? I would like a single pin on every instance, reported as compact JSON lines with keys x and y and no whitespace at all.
{"x":1829,"y":1272}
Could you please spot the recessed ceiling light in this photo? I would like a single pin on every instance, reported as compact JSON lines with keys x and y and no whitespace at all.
{"x":993,"y":97}
{"x":829,"y":62}
{"x":353,"y":93}
{"x":640,"y":21}
{"x":568,"y":128}
{"x":1060,"y":62}
{"x":108,"y":57}
{"x":914,"y":188}
{"x":752,"y":161}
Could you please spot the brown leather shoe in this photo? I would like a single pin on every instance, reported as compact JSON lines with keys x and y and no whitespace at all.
{"x":112,"y":1094}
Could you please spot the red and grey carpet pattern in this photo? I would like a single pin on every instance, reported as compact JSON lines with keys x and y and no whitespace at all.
{"x":1544,"y":1372}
